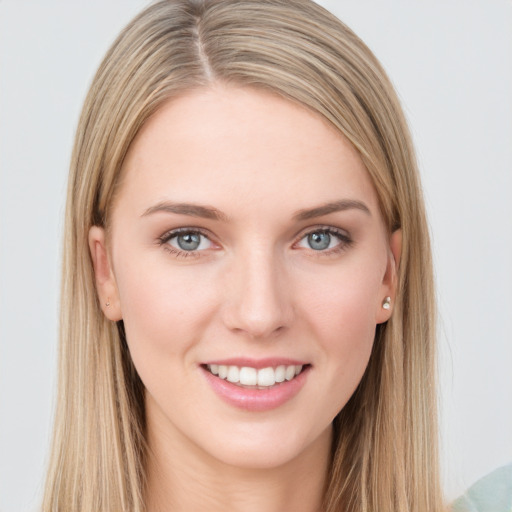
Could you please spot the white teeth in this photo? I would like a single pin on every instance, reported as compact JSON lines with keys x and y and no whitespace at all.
{"x":280,"y":373}
{"x":233,"y":374}
{"x":247,"y":376}
{"x":290,"y":372}
{"x":223,"y":371}
{"x":266,"y":377}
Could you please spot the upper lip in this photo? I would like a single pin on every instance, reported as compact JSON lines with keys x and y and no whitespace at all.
{"x":257,"y":363}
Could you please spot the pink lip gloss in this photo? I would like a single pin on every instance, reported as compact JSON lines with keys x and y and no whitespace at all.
{"x":253,"y":398}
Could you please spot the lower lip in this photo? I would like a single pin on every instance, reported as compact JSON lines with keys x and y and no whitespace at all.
{"x":256,"y":400}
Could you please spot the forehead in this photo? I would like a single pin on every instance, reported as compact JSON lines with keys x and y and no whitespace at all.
{"x":230,"y":144}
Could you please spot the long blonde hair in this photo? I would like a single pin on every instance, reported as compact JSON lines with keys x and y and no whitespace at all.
{"x":384,"y":453}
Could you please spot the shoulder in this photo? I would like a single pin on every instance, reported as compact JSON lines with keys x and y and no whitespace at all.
{"x":493,"y":493}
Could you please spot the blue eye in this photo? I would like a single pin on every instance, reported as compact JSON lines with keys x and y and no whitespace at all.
{"x":324,"y":239}
{"x":189,"y":241}
{"x":319,"y":241}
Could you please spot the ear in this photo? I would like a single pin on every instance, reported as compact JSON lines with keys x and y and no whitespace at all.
{"x":390,"y":280}
{"x":106,"y":286}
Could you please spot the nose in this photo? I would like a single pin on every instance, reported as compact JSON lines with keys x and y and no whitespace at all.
{"x":257,"y":296}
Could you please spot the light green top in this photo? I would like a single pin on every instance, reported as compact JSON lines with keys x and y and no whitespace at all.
{"x":493,"y":493}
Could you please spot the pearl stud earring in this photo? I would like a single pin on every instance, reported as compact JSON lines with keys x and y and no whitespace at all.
{"x":107,"y":304}
{"x":387,"y":303}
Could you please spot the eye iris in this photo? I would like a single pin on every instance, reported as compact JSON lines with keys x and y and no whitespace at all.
{"x":319,"y":240}
{"x":189,"y":241}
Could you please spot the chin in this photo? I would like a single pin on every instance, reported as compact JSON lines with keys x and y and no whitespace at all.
{"x":260,"y":449}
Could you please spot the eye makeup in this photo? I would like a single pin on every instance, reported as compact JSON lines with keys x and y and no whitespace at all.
{"x":187,"y":242}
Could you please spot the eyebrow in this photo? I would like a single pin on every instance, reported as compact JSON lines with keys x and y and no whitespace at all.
{"x":209,"y":212}
{"x":332,"y":207}
{"x":194,"y":210}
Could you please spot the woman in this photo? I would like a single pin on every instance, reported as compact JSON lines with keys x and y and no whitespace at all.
{"x":247,"y":302}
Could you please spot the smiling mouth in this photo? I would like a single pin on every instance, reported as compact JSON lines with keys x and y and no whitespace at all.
{"x":248,"y":377}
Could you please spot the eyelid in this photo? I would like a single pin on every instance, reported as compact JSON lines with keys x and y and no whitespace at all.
{"x":323,"y":227}
{"x":171,"y":233}
{"x":343,"y":236}
{"x":164,"y":239}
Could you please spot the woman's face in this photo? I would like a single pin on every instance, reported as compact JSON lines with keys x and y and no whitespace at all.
{"x":246,"y":246}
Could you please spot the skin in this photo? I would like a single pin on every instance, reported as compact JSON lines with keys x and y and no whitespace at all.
{"x":254,"y":288}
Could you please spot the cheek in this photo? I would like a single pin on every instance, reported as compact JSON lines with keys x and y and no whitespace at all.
{"x":164,"y":310}
{"x":341,"y":314}
{"x":344,"y":302}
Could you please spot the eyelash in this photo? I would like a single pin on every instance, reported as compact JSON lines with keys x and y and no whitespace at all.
{"x":345,"y":241}
{"x":169,"y":235}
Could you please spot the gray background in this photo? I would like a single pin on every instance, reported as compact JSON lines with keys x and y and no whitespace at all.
{"x":451,"y":62}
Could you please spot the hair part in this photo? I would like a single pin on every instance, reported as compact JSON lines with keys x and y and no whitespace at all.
{"x":385,"y":443}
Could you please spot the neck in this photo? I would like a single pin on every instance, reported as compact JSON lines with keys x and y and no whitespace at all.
{"x":183,"y":478}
